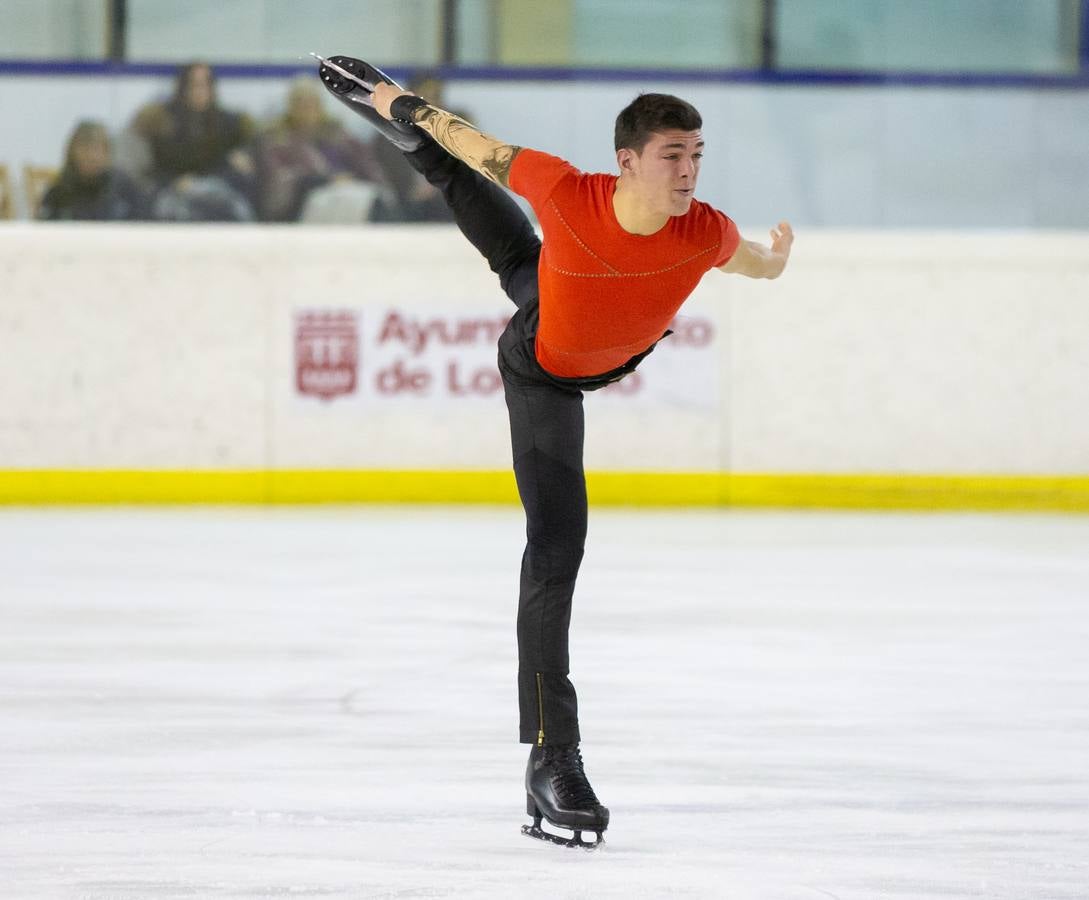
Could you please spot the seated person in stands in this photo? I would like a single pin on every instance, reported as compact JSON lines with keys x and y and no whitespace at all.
{"x":413,"y":200}
{"x":89,"y":187}
{"x":309,"y":166}
{"x":193,"y":152}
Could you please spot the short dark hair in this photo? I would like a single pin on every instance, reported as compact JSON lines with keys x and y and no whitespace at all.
{"x":649,"y":113}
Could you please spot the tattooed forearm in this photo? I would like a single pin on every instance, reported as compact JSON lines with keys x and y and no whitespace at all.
{"x":490,"y":157}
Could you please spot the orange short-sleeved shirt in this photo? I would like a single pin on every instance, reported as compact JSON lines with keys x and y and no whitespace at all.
{"x":607,"y":294}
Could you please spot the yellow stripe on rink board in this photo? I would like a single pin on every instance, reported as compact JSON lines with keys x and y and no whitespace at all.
{"x":835,"y":491}
{"x":812,"y":491}
{"x":128,"y":486}
{"x":41,"y":486}
{"x":362,"y":486}
{"x":922,"y":492}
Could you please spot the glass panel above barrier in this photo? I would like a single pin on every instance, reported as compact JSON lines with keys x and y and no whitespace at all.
{"x":666,"y":34}
{"x":54,"y":29}
{"x":636,"y":34}
{"x":277,"y":31}
{"x":475,"y":33}
{"x":1000,"y":36}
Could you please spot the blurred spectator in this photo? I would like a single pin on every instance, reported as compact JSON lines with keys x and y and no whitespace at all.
{"x":414,"y":200}
{"x":309,"y":167}
{"x":89,"y":187}
{"x":192,"y":151}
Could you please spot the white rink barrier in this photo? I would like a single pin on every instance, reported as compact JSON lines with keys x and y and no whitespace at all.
{"x":259,"y":350}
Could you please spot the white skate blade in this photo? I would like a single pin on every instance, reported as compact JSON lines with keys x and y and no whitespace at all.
{"x":536,"y":832}
{"x":342,"y":73}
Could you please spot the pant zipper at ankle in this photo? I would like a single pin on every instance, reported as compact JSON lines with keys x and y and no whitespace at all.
{"x":540,"y":710}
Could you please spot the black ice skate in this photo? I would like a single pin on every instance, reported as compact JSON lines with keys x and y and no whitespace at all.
{"x":352,"y":82}
{"x":557,"y":790}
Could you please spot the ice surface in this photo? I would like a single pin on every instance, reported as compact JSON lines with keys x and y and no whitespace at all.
{"x":321,"y":703}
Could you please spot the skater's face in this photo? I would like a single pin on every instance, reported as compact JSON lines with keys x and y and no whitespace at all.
{"x":665,"y":172}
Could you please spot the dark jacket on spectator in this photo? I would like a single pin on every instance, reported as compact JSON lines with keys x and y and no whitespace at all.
{"x":184,"y":142}
{"x":110,"y":196}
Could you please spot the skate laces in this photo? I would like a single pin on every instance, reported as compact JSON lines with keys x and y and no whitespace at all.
{"x":570,"y":781}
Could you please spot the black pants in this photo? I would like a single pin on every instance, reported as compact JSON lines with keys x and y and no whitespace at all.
{"x":546,"y":428}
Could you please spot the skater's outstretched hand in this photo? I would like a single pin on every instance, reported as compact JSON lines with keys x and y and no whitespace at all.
{"x":756,"y":260}
{"x":782,"y":239}
{"x":384,"y":95}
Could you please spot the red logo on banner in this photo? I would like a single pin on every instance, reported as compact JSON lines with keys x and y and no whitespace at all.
{"x":326,"y":353}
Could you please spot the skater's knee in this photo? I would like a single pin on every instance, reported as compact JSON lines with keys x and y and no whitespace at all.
{"x":555,"y":544}
{"x":516,"y":267}
{"x":554,"y":560}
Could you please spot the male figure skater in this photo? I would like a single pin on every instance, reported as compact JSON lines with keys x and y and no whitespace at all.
{"x":620,"y":255}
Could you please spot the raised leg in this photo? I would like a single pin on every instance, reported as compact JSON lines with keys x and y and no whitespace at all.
{"x":484,"y":212}
{"x":488,"y":217}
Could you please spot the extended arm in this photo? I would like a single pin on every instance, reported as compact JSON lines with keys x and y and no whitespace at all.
{"x":755,"y":260}
{"x":490,"y":157}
